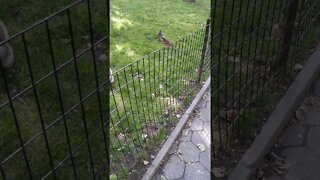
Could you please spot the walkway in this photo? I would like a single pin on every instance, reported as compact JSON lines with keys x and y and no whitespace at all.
{"x":299,"y":145}
{"x":189,"y":157}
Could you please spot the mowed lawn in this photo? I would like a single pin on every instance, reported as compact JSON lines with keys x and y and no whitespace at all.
{"x":135,"y":24}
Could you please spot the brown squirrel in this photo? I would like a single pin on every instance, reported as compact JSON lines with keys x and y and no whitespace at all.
{"x":6,"y":53}
{"x":166,"y":42}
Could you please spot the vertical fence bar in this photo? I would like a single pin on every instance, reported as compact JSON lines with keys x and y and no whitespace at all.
{"x":13,"y":112}
{"x":53,"y":61}
{"x":290,"y":21}
{"x":38,"y":105}
{"x":204,"y":48}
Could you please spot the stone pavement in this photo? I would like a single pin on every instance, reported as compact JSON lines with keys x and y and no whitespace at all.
{"x":299,"y":144}
{"x":189,"y":157}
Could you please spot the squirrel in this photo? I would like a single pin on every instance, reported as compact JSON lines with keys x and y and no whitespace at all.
{"x":166,"y":42}
{"x":6,"y":53}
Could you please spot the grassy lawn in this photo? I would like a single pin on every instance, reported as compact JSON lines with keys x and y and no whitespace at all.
{"x":135,"y":25}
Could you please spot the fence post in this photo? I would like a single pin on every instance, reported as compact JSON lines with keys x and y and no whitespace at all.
{"x":204,"y":49}
{"x":290,"y":24}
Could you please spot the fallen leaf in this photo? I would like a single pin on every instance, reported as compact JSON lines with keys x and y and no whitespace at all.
{"x":218,"y":172}
{"x":181,"y":98}
{"x":298,"y":67}
{"x":185,"y":132}
{"x":145,"y":162}
{"x":144,"y":136}
{"x":121,"y":136}
{"x":299,"y":114}
{"x":229,"y":115}
{"x":201,"y":147}
{"x":178,"y":152}
{"x":162,"y":177}
{"x":278,"y":164}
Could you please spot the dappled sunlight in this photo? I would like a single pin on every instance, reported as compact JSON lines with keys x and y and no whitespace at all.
{"x":119,"y":23}
{"x":125,"y":48}
{"x":119,"y":47}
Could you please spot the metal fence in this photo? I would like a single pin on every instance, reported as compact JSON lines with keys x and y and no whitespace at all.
{"x":256,"y":44}
{"x":53,"y":102}
{"x":149,"y":96}
{"x":59,"y":116}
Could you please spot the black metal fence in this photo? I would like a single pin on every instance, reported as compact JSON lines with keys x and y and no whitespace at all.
{"x":54,"y":108}
{"x":53,"y":102}
{"x":149,"y":96}
{"x":255,"y":46}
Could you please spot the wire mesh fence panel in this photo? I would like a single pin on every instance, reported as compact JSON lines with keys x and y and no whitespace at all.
{"x":52,"y":101}
{"x":149,"y":96}
{"x":254,"y":46}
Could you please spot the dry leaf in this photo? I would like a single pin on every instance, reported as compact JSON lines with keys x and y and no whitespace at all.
{"x":181,"y":98}
{"x":229,"y":115}
{"x":185,"y":132}
{"x":121,"y":136}
{"x":145,"y":162}
{"x":201,"y":147}
{"x":162,"y":177}
{"x":278,"y":164}
{"x":218,"y":172}
{"x":144,"y":136}
{"x":299,"y":114}
{"x":298,"y":67}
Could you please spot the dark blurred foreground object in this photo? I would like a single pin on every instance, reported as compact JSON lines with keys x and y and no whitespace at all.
{"x":6,"y":53}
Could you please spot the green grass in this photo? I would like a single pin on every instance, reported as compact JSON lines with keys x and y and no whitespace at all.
{"x":135,"y":25}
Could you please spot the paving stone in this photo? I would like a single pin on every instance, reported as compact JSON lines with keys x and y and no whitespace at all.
{"x":196,"y":125}
{"x":190,"y":153}
{"x":311,"y":116}
{"x":205,"y":113}
{"x":196,"y":171}
{"x":187,"y":137}
{"x":199,"y":137}
{"x":174,"y":168}
{"x":313,"y":141}
{"x":293,"y":136}
{"x":305,"y":164}
{"x":205,"y":159}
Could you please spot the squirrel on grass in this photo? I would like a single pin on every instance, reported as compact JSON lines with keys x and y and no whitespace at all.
{"x":166,"y":42}
{"x":6,"y":53}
